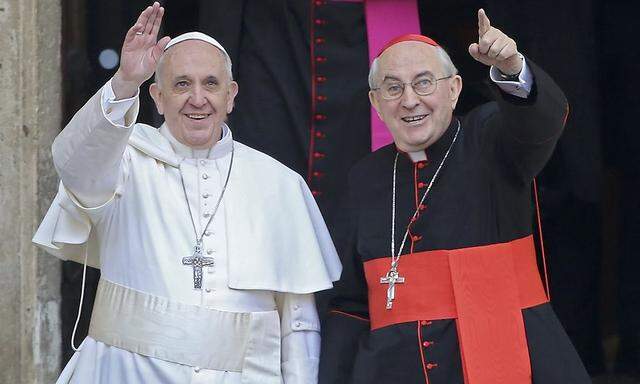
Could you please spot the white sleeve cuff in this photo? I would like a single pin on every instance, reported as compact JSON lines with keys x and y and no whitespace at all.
{"x":301,"y":371}
{"x":520,"y":88}
{"x":300,"y":357}
{"x":118,"y":112}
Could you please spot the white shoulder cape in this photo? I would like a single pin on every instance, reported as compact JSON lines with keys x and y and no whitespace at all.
{"x":277,"y":238}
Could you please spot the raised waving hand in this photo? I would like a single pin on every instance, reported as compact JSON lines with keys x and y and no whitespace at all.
{"x":140,"y":52}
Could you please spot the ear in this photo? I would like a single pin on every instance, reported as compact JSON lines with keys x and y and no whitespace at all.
{"x":375,"y":102}
{"x":455,"y":87}
{"x":156,"y":95}
{"x":232,"y":93}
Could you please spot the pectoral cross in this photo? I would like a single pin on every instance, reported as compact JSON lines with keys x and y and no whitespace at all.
{"x":197,"y":261}
{"x":392,"y":278}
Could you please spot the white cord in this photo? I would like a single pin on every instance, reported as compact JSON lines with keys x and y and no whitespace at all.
{"x":75,"y":327}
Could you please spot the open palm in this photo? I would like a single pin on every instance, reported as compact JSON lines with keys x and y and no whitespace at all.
{"x":141,"y":49}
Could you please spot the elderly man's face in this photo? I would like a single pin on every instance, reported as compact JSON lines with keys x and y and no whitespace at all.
{"x":195,"y":93}
{"x":415,"y":121}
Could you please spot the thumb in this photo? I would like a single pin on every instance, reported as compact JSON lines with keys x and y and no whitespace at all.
{"x":158,"y":50}
{"x":474,"y":51}
{"x":162,"y":43}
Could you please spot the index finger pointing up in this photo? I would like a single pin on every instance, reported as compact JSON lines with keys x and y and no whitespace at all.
{"x":483,"y":23}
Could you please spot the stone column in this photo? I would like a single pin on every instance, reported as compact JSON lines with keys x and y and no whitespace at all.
{"x":30,"y":117}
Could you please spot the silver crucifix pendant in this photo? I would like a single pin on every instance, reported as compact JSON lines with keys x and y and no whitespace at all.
{"x":197,"y":262}
{"x":392,"y":278}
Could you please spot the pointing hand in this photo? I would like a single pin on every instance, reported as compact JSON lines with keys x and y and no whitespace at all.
{"x":495,"y":48}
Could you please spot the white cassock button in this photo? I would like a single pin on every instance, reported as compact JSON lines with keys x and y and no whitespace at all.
{"x":205,"y":195}
{"x":208,"y":233}
{"x":208,"y":290}
{"x":207,"y":215}
{"x":210,"y":251}
{"x":196,"y":369}
{"x":203,"y":162}
{"x":296,"y":307}
{"x":205,"y":176}
{"x":298,"y":324}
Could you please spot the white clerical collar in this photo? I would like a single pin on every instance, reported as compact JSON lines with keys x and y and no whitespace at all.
{"x":221,"y":148}
{"x":417,"y":156}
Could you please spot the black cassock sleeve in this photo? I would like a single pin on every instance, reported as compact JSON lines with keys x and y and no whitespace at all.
{"x":347,"y":318}
{"x":518,"y":135}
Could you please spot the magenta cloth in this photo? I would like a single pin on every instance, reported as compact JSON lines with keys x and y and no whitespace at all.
{"x":387,"y":19}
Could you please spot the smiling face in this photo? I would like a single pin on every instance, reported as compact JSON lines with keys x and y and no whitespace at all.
{"x":194,"y":92}
{"x":415,"y":121}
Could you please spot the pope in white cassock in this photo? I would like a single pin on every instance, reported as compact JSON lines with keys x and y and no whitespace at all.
{"x":210,"y":251}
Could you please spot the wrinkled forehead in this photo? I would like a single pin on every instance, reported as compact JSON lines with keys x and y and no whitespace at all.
{"x":407,"y":59}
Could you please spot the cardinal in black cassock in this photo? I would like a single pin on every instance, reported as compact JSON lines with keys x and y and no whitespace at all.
{"x":440,"y":281}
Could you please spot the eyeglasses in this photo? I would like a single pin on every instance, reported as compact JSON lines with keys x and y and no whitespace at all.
{"x":423,"y":86}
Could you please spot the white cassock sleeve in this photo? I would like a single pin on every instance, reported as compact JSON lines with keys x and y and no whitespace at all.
{"x":88,"y":153}
{"x":300,"y":333}
{"x":117,"y":110}
{"x":521,"y":87}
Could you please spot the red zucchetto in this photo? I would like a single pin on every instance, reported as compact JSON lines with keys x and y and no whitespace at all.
{"x":408,"y":37}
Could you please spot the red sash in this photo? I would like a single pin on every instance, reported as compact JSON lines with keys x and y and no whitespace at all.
{"x":484,"y":288}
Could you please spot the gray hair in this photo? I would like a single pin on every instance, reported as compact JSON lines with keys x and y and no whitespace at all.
{"x":447,"y":65}
{"x":227,"y":66}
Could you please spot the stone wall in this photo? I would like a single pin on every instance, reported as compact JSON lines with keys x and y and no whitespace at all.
{"x":30,"y":114}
